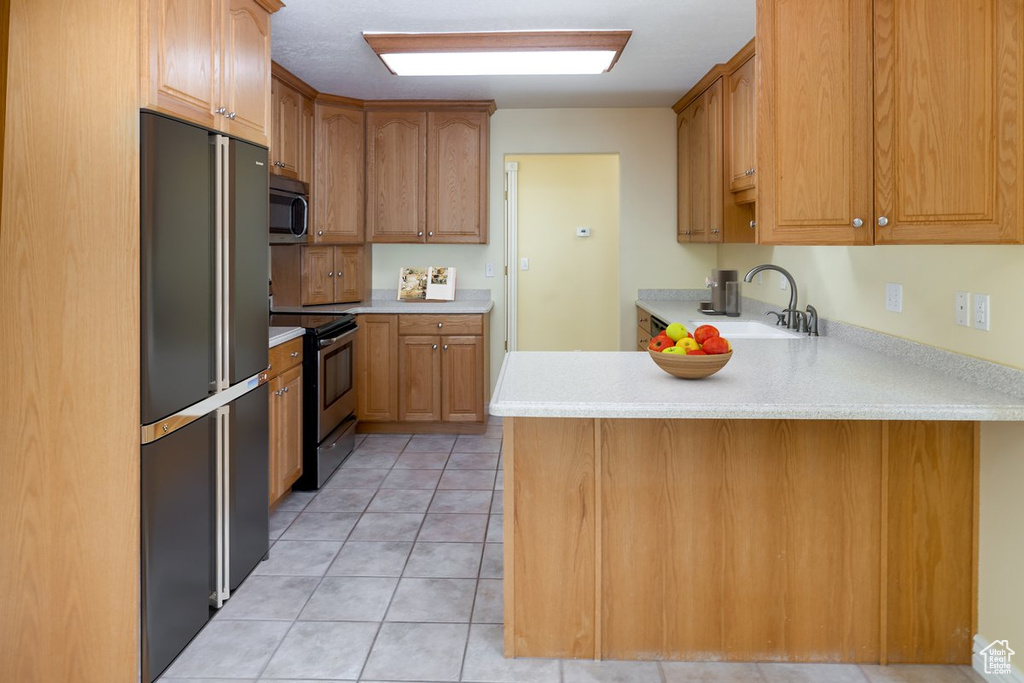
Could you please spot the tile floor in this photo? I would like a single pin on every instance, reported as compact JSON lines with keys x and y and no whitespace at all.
{"x":392,"y":572}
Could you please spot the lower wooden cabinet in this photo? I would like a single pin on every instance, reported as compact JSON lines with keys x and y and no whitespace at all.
{"x":285,"y":417}
{"x":408,"y":376}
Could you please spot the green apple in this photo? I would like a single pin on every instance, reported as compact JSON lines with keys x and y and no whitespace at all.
{"x":676,"y":331}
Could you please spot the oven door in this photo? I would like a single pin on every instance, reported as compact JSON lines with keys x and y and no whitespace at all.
{"x":335,"y":372}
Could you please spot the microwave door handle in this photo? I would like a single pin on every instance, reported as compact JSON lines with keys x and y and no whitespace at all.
{"x":305,"y":216}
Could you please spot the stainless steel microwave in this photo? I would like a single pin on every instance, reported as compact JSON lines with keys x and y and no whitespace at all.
{"x":289,"y":210}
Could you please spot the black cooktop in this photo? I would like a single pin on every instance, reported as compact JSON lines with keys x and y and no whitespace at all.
{"x":319,"y":324}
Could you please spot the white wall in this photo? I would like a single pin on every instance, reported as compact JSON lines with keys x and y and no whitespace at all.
{"x":649,"y":256}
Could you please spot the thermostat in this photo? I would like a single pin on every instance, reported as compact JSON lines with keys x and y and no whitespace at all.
{"x":583,"y":232}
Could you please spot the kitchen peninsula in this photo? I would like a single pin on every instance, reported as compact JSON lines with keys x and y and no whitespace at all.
{"x":813,"y":501}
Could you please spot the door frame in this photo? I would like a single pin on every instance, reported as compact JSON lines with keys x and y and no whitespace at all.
{"x":511,"y":252}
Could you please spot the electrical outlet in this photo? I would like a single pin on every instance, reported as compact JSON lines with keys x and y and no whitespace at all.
{"x":894,"y":297}
{"x":982,"y":313}
{"x":783,"y":283}
{"x":583,"y":231}
{"x":962,"y":308}
{"x":488,"y":270}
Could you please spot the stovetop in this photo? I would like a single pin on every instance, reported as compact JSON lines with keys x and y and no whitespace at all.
{"x":319,"y":324}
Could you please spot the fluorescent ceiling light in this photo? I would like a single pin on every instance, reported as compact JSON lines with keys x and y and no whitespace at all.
{"x":498,"y":53}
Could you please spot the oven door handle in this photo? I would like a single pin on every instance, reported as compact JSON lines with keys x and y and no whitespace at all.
{"x":324,"y":343}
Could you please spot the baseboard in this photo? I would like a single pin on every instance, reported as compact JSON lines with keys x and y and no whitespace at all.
{"x":978,"y":664}
{"x":421,"y":427}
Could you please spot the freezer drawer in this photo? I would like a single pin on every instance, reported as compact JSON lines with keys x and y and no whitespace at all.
{"x":248,"y":518}
{"x":177,"y":543}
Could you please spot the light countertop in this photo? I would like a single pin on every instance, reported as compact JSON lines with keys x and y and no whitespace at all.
{"x":810,"y":378}
{"x":384,"y":301}
{"x":279,"y":335}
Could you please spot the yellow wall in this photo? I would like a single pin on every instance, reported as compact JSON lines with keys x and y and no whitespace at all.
{"x":649,"y":256}
{"x":848,"y":284}
{"x":1001,"y":547}
{"x":568,"y":299}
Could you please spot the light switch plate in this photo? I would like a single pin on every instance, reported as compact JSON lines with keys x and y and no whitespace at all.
{"x":783,"y":283}
{"x":524,"y":264}
{"x":982,"y":313}
{"x":962,"y":309}
{"x":488,"y":270}
{"x":894,"y":297}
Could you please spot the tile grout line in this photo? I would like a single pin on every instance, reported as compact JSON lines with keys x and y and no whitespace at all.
{"x":476,"y":586}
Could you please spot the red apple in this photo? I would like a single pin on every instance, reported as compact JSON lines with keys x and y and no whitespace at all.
{"x":716,"y":345}
{"x":697,"y":352}
{"x":705,"y":332}
{"x":660,"y":343}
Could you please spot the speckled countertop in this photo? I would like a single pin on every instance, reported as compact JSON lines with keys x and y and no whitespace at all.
{"x":384,"y":301}
{"x":279,"y":335}
{"x":808,"y":378}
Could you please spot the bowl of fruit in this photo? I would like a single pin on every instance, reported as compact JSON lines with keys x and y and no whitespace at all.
{"x":688,"y":355}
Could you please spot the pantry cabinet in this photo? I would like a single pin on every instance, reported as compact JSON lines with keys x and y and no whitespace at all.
{"x":208,"y":61}
{"x":426,"y":173}
{"x":285,"y":417}
{"x":338,"y":213}
{"x":888,"y":122}
{"x":420,"y":372}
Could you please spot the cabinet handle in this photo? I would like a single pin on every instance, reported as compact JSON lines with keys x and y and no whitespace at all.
{"x":285,"y":390}
{"x":753,"y":224}
{"x":231,"y":116}
{"x":882,"y":221}
{"x":435,"y":347}
{"x":715,"y":231}
{"x":220,"y":110}
{"x":439,"y":325}
{"x":445,"y":347}
{"x":277,"y":393}
{"x":295,"y":354}
{"x":320,"y":233}
{"x":857,"y":222}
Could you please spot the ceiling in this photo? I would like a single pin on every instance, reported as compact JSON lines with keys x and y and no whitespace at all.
{"x":674,"y":43}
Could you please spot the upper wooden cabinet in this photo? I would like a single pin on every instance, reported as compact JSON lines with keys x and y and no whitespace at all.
{"x":740,"y":102}
{"x":889,"y":122}
{"x":426,"y":175}
{"x":333,"y":275}
{"x":286,"y":130}
{"x":208,"y":61}
{"x":338,"y":184}
{"x":396,"y":184}
{"x":699,"y":136}
{"x":457,"y":159}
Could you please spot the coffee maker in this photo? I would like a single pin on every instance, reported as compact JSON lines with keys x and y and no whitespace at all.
{"x":724,"y":298}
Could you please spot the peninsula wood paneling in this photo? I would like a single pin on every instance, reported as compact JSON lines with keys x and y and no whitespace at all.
{"x":814,"y":123}
{"x":69,"y":412}
{"x":949,"y":160}
{"x":553,"y":530}
{"x":376,"y":350}
{"x":931,"y":531}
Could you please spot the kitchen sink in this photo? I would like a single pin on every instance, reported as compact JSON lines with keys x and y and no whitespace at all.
{"x":746,"y":329}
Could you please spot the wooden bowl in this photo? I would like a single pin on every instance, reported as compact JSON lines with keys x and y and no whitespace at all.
{"x":690,"y":367}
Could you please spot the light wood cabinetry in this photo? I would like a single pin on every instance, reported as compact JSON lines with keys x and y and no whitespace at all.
{"x":699,"y":136}
{"x":208,"y":61}
{"x":307,"y":148}
{"x":376,"y":350}
{"x":457,"y":165}
{"x":643,"y":329}
{"x":426,"y":174}
{"x":332,"y":275}
{"x":422,"y":372}
{"x":715,"y":138}
{"x":286,"y":130}
{"x":338,"y":185}
{"x":285,"y":374}
{"x":887,"y":122}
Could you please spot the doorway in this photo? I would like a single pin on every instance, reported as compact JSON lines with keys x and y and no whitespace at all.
{"x":562,"y":227}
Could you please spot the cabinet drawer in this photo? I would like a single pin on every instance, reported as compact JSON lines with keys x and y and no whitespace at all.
{"x":284,"y":356}
{"x":643,"y":338}
{"x":440,"y":324}
{"x":643,"y":319}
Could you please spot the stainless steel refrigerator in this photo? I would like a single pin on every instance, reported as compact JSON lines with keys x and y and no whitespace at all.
{"x":204,"y":323}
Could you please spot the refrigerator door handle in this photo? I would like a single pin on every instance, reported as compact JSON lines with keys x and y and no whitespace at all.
{"x":222,"y":175}
{"x":222,"y":552}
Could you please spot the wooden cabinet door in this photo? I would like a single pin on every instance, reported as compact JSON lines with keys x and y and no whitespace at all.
{"x":457,"y":154}
{"x":317,"y":275}
{"x":307,"y":126}
{"x":419,"y":379}
{"x":348,"y":274}
{"x":700,"y":168}
{"x":376,"y":351}
{"x":462,"y":387}
{"x":277,"y":445}
{"x":181,"y":55}
{"x":338,"y":193}
{"x":396,"y":187}
{"x":289,"y":461}
{"x":246,"y":71}
{"x":285,"y":142}
{"x":814,"y":130}
{"x":947,"y":116}
{"x":739,"y":127}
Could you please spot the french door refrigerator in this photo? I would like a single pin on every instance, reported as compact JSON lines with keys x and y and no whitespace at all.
{"x":204,"y":320}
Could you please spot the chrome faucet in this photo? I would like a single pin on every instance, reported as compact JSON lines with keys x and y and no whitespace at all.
{"x":791,"y":317}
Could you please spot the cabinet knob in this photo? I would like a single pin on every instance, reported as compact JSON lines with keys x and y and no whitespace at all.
{"x":439,"y":325}
{"x":715,"y":231}
{"x":295,"y":354}
{"x":445,"y":347}
{"x":220,"y":110}
{"x":435,"y":346}
{"x":857,"y":222}
{"x":330,"y":274}
{"x":419,"y":234}
{"x":752,"y":171}
{"x":753,"y":224}
{"x":882,"y":221}
{"x":320,"y":233}
{"x":231,"y":115}
{"x":430,"y":234}
{"x":285,"y":390}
